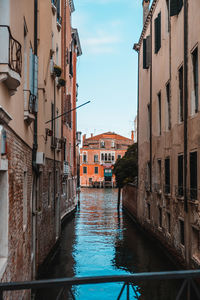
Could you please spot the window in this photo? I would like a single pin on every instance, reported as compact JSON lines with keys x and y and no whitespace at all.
{"x":159,"y":171}
{"x":149,"y":119}
{"x":70,"y":64}
{"x":195,"y":80}
{"x":193,"y":175}
{"x":25,"y":200}
{"x":180,"y":175}
{"x":102,"y":156}
{"x":167,"y":15}
{"x":167,"y":175}
{"x":106,"y":157}
{"x":168,"y":106}
{"x":68,"y":108}
{"x":175,"y":7}
{"x":148,"y":211}
{"x":119,"y":156}
{"x":196,"y":242}
{"x":95,"y":158}
{"x":168,"y":219}
{"x":58,"y":11}
{"x":181,"y":227}
{"x":180,"y":77}
{"x":113,"y":156}
{"x":102,"y":144}
{"x":146,"y":52}
{"x":160,"y":216}
{"x":84,"y":170}
{"x":157,"y":37}
{"x":96,"y":170}
{"x":4,"y":213}
{"x":84,"y":157}
{"x":113,"y":144}
{"x":49,"y":188}
{"x":159,"y":114}
{"x":109,"y":156}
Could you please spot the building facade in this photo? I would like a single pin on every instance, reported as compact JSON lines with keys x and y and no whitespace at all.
{"x":168,"y":118}
{"x":37,"y":61}
{"x":97,"y":157}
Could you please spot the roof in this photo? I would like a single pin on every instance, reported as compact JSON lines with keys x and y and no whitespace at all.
{"x":146,"y":23}
{"x":107,"y":135}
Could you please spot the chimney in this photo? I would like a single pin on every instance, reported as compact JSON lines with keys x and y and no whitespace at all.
{"x":132,"y":135}
{"x":145,"y":9}
{"x":91,"y":135}
{"x":84,"y":137}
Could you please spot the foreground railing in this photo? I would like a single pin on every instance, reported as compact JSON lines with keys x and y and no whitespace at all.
{"x":129,"y":281}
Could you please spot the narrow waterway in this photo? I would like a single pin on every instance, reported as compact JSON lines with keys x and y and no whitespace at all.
{"x":98,"y":241}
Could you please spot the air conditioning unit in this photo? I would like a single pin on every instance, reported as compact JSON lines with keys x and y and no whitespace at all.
{"x":40,"y":158}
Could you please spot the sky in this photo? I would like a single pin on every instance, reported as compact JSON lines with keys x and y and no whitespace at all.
{"x":107,"y":68}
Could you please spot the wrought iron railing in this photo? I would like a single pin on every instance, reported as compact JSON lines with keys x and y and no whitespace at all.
{"x":15,"y":52}
{"x":193,"y":194}
{"x":188,"y":286}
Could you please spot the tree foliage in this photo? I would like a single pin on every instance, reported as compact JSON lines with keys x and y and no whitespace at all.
{"x":125,"y":168}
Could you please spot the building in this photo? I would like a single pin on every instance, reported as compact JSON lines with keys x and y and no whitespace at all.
{"x":38,"y":56}
{"x":168,"y":118}
{"x":97,"y":157}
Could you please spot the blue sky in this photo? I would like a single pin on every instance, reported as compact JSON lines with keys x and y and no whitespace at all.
{"x":107,"y":69}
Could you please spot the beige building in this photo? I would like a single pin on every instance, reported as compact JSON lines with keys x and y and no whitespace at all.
{"x":38,"y":56}
{"x":168,"y":126}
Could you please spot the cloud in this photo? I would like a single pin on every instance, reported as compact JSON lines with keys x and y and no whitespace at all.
{"x":101,"y":43}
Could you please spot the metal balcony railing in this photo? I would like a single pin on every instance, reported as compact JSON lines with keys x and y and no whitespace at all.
{"x":193,"y":194}
{"x":130,"y":282}
{"x":14,"y":52}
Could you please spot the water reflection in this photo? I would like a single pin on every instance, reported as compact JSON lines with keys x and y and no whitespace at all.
{"x":99,"y":241}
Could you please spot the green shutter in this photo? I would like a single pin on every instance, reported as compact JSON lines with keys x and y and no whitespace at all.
{"x":148,"y":45}
{"x":144,"y":54}
{"x":159,"y":31}
{"x":173,"y":8}
{"x":156,"y":34}
{"x":180,"y":5}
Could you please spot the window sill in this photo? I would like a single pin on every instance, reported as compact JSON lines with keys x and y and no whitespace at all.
{"x":58,"y":26}
{"x":54,"y":9}
{"x":3,"y":263}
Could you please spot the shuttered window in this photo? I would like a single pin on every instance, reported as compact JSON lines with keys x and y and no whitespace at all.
{"x":193,"y":175}
{"x":180,"y":76}
{"x":144,"y":54}
{"x":70,"y":64}
{"x":180,"y":175}
{"x":175,"y":7}
{"x":168,"y":106}
{"x":147,"y":52}
{"x":68,"y":107}
{"x":167,"y":175}
{"x":195,"y":77}
{"x":157,"y":28}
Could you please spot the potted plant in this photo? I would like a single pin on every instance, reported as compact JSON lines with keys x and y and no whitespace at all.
{"x":57,"y":70}
{"x":61,"y":82}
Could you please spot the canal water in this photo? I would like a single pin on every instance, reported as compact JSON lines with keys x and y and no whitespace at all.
{"x":99,"y":241}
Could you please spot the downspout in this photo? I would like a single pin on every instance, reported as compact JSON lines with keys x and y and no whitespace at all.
{"x":151,"y":110}
{"x":187,"y":215}
{"x":185,"y":101}
{"x":54,"y":147}
{"x":35,"y":142}
{"x":138,"y":106}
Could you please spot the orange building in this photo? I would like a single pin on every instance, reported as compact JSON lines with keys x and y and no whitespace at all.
{"x":97,"y":157}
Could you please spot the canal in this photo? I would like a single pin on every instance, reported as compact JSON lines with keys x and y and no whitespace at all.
{"x":99,"y":241}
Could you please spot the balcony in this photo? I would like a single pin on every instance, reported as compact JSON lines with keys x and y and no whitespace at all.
{"x":193,"y":194}
{"x":167,"y":189}
{"x":10,"y":60}
{"x":30,"y":108}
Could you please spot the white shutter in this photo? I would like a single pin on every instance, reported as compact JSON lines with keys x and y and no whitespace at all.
{"x":31,"y":70}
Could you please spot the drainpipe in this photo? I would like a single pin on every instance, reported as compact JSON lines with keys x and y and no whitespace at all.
{"x":187,"y":215}
{"x":151,"y":111}
{"x":35,"y":145}
{"x":185,"y":100}
{"x":138,"y":106}
{"x":54,"y":149}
